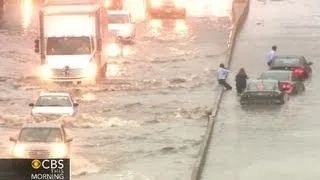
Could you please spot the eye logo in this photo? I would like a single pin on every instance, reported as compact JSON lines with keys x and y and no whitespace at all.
{"x":36,"y":164}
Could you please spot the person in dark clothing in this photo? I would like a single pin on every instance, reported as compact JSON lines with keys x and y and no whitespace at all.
{"x":241,"y":81}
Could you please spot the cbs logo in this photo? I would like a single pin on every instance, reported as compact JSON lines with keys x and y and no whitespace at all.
{"x":47,"y":164}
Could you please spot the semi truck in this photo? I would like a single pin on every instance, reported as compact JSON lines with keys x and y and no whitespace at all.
{"x":164,"y":8}
{"x":71,"y":41}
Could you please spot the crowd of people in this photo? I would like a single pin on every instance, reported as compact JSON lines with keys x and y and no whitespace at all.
{"x":241,"y":77}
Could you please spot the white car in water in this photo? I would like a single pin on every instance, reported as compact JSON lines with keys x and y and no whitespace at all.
{"x":120,"y":23}
{"x":60,"y":104}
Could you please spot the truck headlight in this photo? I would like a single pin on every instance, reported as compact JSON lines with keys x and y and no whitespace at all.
{"x":113,"y":50}
{"x":180,"y":3}
{"x":156,"y":3}
{"x":90,"y":71}
{"x":18,"y":150}
{"x":59,"y":151}
{"x":46,"y":72}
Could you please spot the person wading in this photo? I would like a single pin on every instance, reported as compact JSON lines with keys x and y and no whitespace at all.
{"x":272,"y":55}
{"x":222,"y":74}
{"x":241,"y":81}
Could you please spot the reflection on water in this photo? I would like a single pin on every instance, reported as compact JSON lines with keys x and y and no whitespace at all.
{"x":113,"y":70}
{"x":203,"y":8}
{"x":180,"y":26}
{"x":155,"y":26}
{"x":88,"y":97}
{"x":221,"y":8}
{"x":27,"y":12}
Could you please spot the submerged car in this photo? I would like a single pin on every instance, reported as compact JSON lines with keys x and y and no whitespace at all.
{"x":290,"y":82}
{"x":41,"y":141}
{"x":298,"y":64}
{"x":120,"y":23}
{"x":263,"y":91}
{"x":160,"y":8}
{"x":61,"y":104}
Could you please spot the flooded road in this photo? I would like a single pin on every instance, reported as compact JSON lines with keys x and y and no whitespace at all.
{"x":147,"y":119}
{"x":271,"y":142}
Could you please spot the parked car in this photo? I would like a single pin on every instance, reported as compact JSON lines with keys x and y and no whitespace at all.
{"x":289,"y":80}
{"x":264,"y":91}
{"x":298,"y":64}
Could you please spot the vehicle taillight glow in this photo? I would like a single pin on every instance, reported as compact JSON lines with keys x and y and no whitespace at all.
{"x":286,"y":86}
{"x":299,"y":71}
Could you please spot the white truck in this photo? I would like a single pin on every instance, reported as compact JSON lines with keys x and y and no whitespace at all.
{"x":72,"y":38}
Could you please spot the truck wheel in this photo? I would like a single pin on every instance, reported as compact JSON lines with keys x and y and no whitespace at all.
{"x":103,"y":71}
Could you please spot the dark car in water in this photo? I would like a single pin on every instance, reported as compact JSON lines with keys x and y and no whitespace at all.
{"x":298,"y":64}
{"x":289,"y":81}
{"x":264,"y":91}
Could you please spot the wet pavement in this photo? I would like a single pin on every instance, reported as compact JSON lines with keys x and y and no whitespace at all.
{"x":278,"y":142}
{"x":146,"y":120}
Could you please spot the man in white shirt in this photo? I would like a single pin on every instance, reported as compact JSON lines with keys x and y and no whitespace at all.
{"x":222,"y":74}
{"x":272,"y":55}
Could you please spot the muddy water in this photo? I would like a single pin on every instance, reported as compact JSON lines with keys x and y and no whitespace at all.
{"x":146,"y":120}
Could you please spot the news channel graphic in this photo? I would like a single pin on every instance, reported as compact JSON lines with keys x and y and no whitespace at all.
{"x":35,"y":169}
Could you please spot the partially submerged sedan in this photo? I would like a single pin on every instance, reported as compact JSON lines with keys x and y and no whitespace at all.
{"x":265,"y":92}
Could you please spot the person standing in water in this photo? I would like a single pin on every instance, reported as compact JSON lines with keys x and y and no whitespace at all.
{"x":241,"y":81}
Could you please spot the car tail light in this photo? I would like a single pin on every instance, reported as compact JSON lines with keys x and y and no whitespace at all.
{"x":299,"y":71}
{"x":286,"y":86}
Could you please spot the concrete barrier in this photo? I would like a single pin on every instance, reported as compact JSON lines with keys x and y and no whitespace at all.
{"x":238,"y":20}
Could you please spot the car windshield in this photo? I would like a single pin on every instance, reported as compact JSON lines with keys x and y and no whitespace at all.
{"x":280,"y":76}
{"x":118,"y":19}
{"x":61,"y":101}
{"x":262,"y":86}
{"x":286,"y":62}
{"x":40,"y":135}
{"x":68,"y":45}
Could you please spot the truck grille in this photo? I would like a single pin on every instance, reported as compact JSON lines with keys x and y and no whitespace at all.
{"x":40,"y":154}
{"x":66,"y":73}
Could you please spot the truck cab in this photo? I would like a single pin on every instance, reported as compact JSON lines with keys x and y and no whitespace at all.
{"x":71,"y":42}
{"x":162,"y":8}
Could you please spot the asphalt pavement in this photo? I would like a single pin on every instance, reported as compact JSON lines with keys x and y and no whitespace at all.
{"x":270,"y":142}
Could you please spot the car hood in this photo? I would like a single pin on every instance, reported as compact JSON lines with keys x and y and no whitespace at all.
{"x":39,"y":145}
{"x":53,"y":110}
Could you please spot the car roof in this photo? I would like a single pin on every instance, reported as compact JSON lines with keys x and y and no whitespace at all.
{"x":263,"y":80}
{"x":289,"y":57}
{"x":278,"y":71}
{"x":55,"y":94}
{"x":42,"y":125}
{"x":118,"y":13}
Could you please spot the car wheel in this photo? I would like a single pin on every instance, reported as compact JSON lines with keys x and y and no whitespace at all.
{"x":282,"y":101}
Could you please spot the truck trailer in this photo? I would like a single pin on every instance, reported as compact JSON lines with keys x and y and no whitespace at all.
{"x":71,"y":41}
